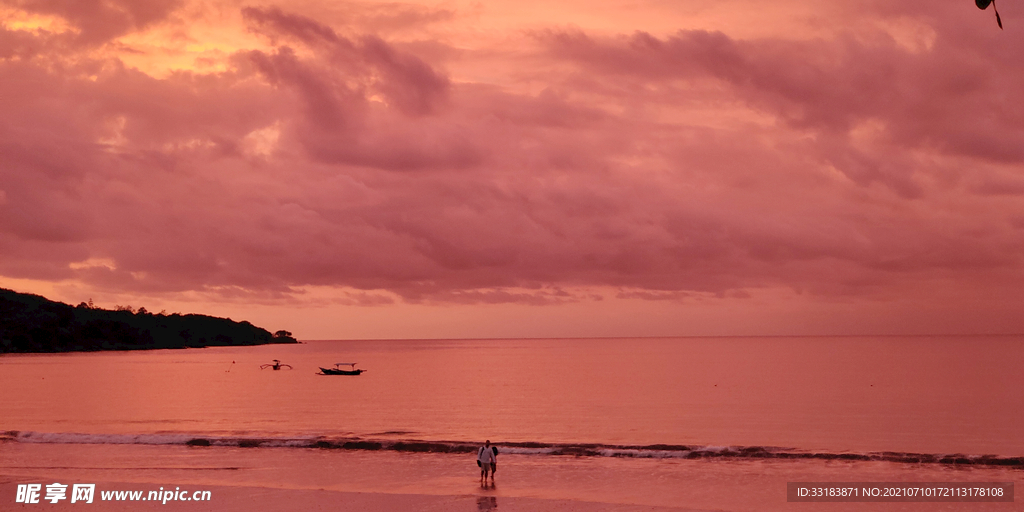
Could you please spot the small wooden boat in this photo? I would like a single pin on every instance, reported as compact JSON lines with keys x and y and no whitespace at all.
{"x":338,"y":371}
{"x":276,"y":365}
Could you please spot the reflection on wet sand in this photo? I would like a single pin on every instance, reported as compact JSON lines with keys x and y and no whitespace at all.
{"x":486,"y":503}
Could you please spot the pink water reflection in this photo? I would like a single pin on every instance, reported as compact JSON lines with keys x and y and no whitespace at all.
{"x":918,"y":394}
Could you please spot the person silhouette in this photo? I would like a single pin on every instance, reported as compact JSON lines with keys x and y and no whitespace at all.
{"x":494,"y":462}
{"x":485,"y":459}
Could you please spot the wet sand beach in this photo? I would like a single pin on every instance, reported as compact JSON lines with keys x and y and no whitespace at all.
{"x":323,"y":479}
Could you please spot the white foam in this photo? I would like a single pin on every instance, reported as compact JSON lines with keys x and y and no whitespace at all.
{"x":81,"y":438}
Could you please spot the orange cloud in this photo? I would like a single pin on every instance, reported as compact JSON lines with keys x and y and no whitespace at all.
{"x":467,"y":158}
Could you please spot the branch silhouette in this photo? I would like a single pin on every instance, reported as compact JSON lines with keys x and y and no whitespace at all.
{"x":983,"y":4}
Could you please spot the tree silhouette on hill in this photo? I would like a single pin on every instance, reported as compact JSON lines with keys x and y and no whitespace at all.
{"x":31,"y":323}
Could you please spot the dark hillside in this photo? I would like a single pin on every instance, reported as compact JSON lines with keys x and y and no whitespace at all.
{"x":30,"y":323}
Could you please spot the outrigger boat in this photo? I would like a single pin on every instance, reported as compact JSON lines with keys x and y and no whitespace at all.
{"x":276,"y":365}
{"x":338,"y":371}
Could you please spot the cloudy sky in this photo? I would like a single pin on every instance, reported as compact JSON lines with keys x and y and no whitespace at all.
{"x":358,"y":169}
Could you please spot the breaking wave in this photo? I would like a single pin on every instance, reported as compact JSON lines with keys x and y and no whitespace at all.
{"x":655,"y":451}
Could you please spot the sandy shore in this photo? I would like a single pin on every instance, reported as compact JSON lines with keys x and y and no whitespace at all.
{"x":286,"y":479}
{"x":274,"y":499}
{"x":282,"y":479}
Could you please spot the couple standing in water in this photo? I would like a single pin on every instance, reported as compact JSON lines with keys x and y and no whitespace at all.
{"x":487,"y":459}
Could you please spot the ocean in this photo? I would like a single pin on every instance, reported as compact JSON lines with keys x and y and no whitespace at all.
{"x":626,"y":422}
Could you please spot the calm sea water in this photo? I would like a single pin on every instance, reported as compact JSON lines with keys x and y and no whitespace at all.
{"x":933,"y":395}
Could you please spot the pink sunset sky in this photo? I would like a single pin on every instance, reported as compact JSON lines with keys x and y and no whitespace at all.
{"x":355,"y":169}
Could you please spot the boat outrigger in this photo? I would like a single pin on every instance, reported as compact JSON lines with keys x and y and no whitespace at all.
{"x":277,"y":365}
{"x":338,"y":371}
